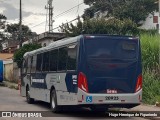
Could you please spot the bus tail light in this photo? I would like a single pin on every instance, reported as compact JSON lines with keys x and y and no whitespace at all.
{"x":139,"y":83}
{"x":82,"y":82}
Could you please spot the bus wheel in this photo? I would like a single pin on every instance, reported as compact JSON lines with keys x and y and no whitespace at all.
{"x":54,"y":107}
{"x":29,"y":100}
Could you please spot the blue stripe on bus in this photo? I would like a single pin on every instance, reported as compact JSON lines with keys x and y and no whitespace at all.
{"x":36,"y":81}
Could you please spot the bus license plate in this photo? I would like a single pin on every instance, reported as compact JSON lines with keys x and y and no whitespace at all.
{"x":112,"y":98}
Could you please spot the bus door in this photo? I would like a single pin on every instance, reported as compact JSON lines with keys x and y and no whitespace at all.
{"x":24,"y":76}
{"x":68,"y":61}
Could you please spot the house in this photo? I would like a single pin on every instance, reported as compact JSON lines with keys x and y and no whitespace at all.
{"x":46,"y":38}
{"x":151,"y":22}
{"x":9,"y":46}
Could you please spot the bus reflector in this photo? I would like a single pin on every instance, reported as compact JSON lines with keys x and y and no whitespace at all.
{"x":139,"y":83}
{"x":82,"y":82}
{"x":82,"y":97}
{"x":139,"y":98}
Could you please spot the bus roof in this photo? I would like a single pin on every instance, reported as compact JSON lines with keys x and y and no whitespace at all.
{"x":70,"y":40}
{"x":58,"y":43}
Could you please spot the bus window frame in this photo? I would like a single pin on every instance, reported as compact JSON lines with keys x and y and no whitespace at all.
{"x":40,"y":71}
{"x":43,"y":62}
{"x":56,"y":48}
{"x":58,"y":60}
{"x":34,"y":55}
{"x":77,"y":53}
{"x":25,"y":65}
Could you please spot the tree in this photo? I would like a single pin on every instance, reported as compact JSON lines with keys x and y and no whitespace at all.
{"x":2,"y":21}
{"x":136,"y":10}
{"x":14,"y":30}
{"x":2,"y":25}
{"x":18,"y":56}
{"x":111,"y":26}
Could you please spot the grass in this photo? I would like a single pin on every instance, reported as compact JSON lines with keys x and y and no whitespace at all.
{"x":150,"y":50}
{"x":151,"y":88}
{"x":150,"y":44}
{"x":9,"y":85}
{"x":2,"y":84}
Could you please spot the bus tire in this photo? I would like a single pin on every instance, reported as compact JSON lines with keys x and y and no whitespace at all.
{"x":53,"y":102}
{"x":28,"y":98}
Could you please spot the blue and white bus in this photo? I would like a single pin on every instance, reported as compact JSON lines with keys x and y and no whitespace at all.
{"x":96,"y":71}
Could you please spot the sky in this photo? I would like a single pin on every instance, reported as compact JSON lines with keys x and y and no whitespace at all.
{"x":34,"y":12}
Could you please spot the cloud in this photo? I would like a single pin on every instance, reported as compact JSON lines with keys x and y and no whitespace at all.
{"x":11,"y":12}
{"x":34,"y":12}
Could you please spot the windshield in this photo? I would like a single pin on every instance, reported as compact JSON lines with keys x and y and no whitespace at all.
{"x":113,"y":49}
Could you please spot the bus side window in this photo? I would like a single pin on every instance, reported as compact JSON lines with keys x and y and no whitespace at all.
{"x":24,"y":66}
{"x":39,"y":62}
{"x":45,"y":65}
{"x":62,"y":59}
{"x":53,"y":60}
{"x":72,"y":55}
{"x":33,"y":66}
{"x":29,"y":65}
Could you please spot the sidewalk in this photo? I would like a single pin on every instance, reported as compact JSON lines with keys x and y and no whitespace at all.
{"x":144,"y":107}
{"x":152,"y":111}
{"x":10,"y":85}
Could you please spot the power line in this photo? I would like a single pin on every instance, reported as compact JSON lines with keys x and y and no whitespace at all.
{"x":38,"y":24}
{"x":67,"y":22}
{"x":59,"y":15}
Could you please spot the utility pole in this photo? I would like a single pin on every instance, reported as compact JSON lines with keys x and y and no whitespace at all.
{"x":20,"y":41}
{"x":159,"y":16}
{"x":49,"y":7}
{"x":20,"y":24}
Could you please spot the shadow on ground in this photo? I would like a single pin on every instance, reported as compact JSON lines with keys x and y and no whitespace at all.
{"x":71,"y":111}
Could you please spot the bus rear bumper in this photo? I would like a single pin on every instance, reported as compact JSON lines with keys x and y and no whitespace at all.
{"x":112,"y":100}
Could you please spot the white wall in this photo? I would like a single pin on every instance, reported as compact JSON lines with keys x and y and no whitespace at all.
{"x":148,"y":24}
{"x":4,"y":45}
{"x":46,"y":41}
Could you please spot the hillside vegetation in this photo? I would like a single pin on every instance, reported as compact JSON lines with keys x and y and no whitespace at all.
{"x":150,"y":44}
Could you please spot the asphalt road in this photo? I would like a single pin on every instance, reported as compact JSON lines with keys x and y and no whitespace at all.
{"x":10,"y":100}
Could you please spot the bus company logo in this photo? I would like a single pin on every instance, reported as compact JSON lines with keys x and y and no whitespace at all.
{"x":109,"y":91}
{"x":88,"y":99}
{"x":37,"y":80}
{"x":6,"y":114}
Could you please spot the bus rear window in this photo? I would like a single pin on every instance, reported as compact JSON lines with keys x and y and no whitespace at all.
{"x":111,"y":49}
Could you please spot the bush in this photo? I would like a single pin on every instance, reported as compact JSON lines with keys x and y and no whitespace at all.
{"x":111,"y":26}
{"x":150,"y":60}
{"x":151,"y":88}
{"x":18,"y":56}
{"x":149,"y":32}
{"x":150,"y":51}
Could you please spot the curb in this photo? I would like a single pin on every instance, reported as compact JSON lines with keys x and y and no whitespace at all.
{"x":10,"y":85}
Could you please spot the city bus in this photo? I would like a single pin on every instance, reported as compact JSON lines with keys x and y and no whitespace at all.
{"x":94,"y":71}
